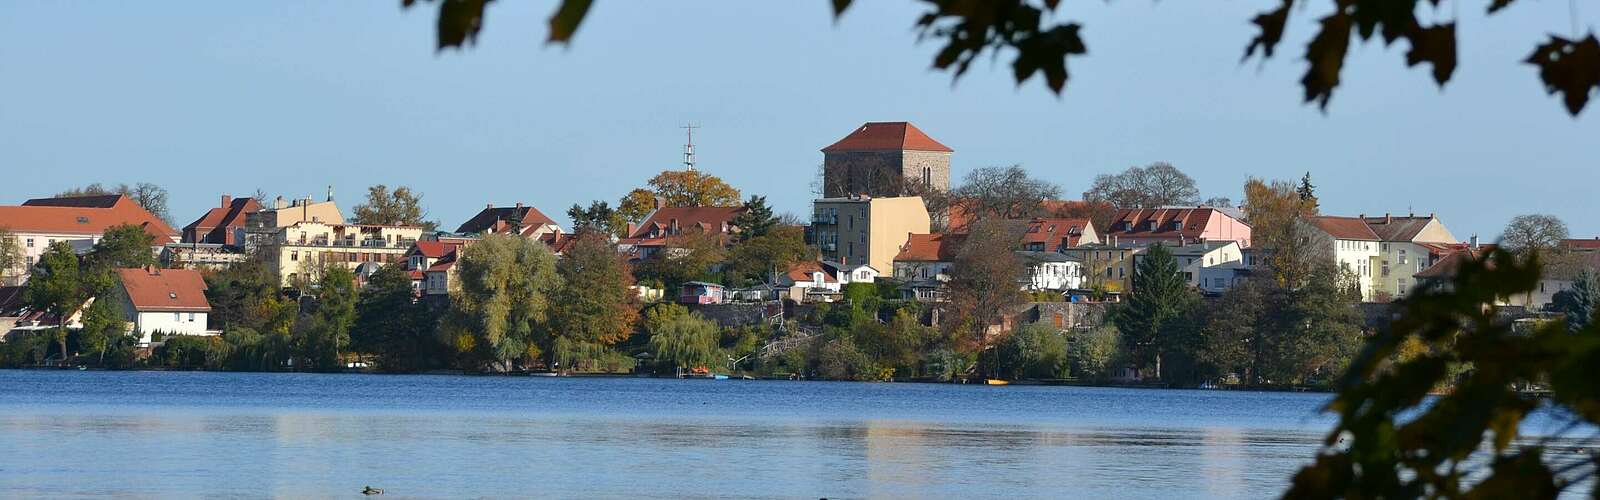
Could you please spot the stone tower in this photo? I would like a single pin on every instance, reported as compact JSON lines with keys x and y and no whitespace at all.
{"x":885,"y":159}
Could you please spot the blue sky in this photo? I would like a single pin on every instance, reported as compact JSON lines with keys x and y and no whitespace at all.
{"x":207,"y":98}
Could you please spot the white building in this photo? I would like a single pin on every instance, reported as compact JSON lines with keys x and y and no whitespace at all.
{"x":79,"y":221}
{"x":167,"y":301}
{"x":1051,"y":271}
{"x":822,"y":281}
{"x":1385,"y":253}
{"x":927,"y":257}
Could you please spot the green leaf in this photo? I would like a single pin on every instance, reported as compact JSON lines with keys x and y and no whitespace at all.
{"x":1571,"y":68}
{"x":565,"y":21}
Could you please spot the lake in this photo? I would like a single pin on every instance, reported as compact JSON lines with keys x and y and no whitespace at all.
{"x":183,"y":434}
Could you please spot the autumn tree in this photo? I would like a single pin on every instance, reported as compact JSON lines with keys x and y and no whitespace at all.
{"x":56,"y":287}
{"x":1156,"y":185}
{"x":400,"y":207}
{"x":688,"y":256}
{"x":503,"y":302}
{"x":1533,"y":233}
{"x":693,"y":188}
{"x":594,"y":309}
{"x":764,"y":257}
{"x":1276,"y":211}
{"x":983,"y":285}
{"x":637,"y":205}
{"x":1002,"y":192}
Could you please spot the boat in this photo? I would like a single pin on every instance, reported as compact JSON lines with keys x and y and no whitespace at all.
{"x":995,"y":381}
{"x":719,"y":377}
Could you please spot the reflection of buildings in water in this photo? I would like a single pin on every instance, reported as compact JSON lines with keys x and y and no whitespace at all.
{"x":897,"y":459}
{"x":912,"y":459}
{"x":1223,"y":459}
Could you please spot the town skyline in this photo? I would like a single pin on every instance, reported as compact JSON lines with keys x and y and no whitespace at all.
{"x":354,"y":111}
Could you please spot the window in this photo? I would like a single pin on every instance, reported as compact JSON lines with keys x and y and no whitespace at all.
{"x":30,"y":261}
{"x":1402,"y":256}
{"x":51,"y":241}
{"x":191,"y":317}
{"x":177,"y":317}
{"x":294,"y":255}
{"x":30,"y":242}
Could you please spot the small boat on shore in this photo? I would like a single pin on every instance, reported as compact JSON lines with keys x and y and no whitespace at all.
{"x":995,"y":381}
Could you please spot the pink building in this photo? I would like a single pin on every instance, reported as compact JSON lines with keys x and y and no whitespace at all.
{"x":1175,"y":225}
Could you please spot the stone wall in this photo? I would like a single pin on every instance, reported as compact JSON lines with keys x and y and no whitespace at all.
{"x":937,"y":163}
{"x":882,"y":173}
{"x":739,"y":314}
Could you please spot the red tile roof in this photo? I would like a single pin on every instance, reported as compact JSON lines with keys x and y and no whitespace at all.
{"x":1055,"y":232}
{"x":558,"y":242}
{"x":165,"y":289}
{"x":1344,"y":228}
{"x":663,"y":220}
{"x":802,"y":271}
{"x":887,"y":136}
{"x":433,"y":249}
{"x":489,"y":217}
{"x":88,"y":215}
{"x":930,"y":247}
{"x":217,"y":225}
{"x":1581,"y":244}
{"x":1135,"y":223}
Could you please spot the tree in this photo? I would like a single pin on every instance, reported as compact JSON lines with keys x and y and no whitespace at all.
{"x":503,"y":302}
{"x":1276,"y":213}
{"x":123,"y":246}
{"x":688,"y":256}
{"x":1156,"y":323}
{"x":637,"y":205}
{"x":1003,"y":192}
{"x":151,"y":197}
{"x":1218,"y":202}
{"x":1027,"y":29}
{"x":594,"y":309}
{"x":763,"y":257}
{"x":1035,"y":350}
{"x":756,"y":219}
{"x":398,"y":208}
{"x":392,"y":324}
{"x":693,"y":188}
{"x":598,"y":217}
{"x":326,"y":333}
{"x":1235,"y":339}
{"x":56,"y":288}
{"x":1307,"y":192}
{"x":103,"y":324}
{"x":10,"y":257}
{"x":983,"y":284}
{"x":1396,"y":438}
{"x":1533,"y":233}
{"x":1156,"y":185}
{"x":1093,"y":354}
{"x":685,"y":341}
{"x":1578,"y":304}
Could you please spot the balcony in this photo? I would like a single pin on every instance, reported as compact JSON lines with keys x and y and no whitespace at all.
{"x":825,"y":219}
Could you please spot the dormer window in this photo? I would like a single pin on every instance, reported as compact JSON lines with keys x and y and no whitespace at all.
{"x":83,"y":219}
{"x":1152,"y":225}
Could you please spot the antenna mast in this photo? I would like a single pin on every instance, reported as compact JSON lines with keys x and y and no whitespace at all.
{"x":688,"y":148}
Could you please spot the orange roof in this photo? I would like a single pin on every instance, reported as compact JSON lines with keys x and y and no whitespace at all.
{"x":1055,"y":231}
{"x":433,"y":249}
{"x":802,"y":271}
{"x":662,"y":220}
{"x":1344,"y":228}
{"x":1581,"y":244}
{"x":1191,"y":222}
{"x":930,"y":247}
{"x":213,"y":227}
{"x":887,"y":136}
{"x":88,"y":215}
{"x":558,"y":242}
{"x":165,"y":289}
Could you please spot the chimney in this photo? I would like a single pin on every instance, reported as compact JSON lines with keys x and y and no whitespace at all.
{"x":226,"y":200}
{"x":519,"y":206}
{"x":1388,"y":219}
{"x":277,"y":203}
{"x":1363,"y":217}
{"x":1474,"y":242}
{"x":330,"y":193}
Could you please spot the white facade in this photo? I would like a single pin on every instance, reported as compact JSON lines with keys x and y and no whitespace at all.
{"x":147,"y":323}
{"x":921,"y":270}
{"x":1222,"y":277}
{"x":32,"y":246}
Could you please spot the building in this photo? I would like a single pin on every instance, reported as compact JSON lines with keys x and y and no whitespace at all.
{"x":1214,"y":280}
{"x":201,"y":256}
{"x":1051,"y":271}
{"x":222,"y":225}
{"x":1581,"y":245}
{"x":866,"y":230}
{"x":424,"y":255}
{"x":1355,"y":247}
{"x":166,"y":301}
{"x":1106,"y":267}
{"x":525,"y":221}
{"x":1175,"y":225}
{"x":1557,"y":277}
{"x":821,"y":281}
{"x":927,"y":257}
{"x":79,"y":221}
{"x":261,"y":226}
{"x":1385,"y":253}
{"x":662,"y":224}
{"x":1193,"y":257}
{"x":296,"y":252}
{"x":1058,"y":234}
{"x":700,"y":292}
{"x":885,"y":159}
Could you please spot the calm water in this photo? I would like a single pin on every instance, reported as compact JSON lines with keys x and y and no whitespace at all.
{"x":156,"y":434}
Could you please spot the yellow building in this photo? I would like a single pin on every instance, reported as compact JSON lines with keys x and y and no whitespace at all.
{"x":296,"y":252}
{"x":867,"y":230}
{"x":1106,"y":267}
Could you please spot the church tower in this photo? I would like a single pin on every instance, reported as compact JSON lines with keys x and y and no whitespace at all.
{"x":885,"y":159}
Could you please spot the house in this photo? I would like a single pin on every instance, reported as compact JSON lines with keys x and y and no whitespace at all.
{"x":927,"y":257}
{"x":654,"y":232}
{"x":525,"y":221}
{"x":424,"y":255}
{"x":1058,"y":234}
{"x":1557,"y":277}
{"x":1106,"y":267}
{"x":1174,"y":225}
{"x":1193,"y":257}
{"x":222,"y":225}
{"x":1051,"y":271}
{"x":201,"y":256}
{"x":1355,"y":247}
{"x":261,"y":226}
{"x":866,"y":230}
{"x":558,"y":242}
{"x":441,"y":277}
{"x":1385,"y":253}
{"x":885,"y":159}
{"x":1580,"y":245}
{"x":167,"y":301}
{"x":700,"y":292}
{"x":296,"y":252}
{"x":821,"y":281}
{"x":924,"y":291}
{"x":79,"y":221}
{"x":1214,"y":280}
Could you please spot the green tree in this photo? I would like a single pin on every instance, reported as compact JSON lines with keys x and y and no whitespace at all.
{"x":685,"y":341}
{"x":1307,"y":192}
{"x":908,"y":342}
{"x":983,"y":285}
{"x":103,"y":324}
{"x":756,"y":220}
{"x":123,"y":246}
{"x":689,"y":256}
{"x":393,"y":325}
{"x":56,"y":287}
{"x":598,"y":217}
{"x":1156,"y":324}
{"x":1093,"y":354}
{"x":324,"y":336}
{"x":1395,"y":438}
{"x":1578,"y":303}
{"x":1236,"y":337}
{"x":763,"y":258}
{"x":401,"y":207}
{"x":10,"y":257}
{"x":594,"y":309}
{"x":503,"y":303}
{"x":1035,"y":350}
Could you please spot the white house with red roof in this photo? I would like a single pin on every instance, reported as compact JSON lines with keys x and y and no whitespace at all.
{"x":80,"y":221}
{"x":167,"y":301}
{"x":1385,"y":253}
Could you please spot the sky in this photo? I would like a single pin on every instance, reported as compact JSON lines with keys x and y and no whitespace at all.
{"x":211,"y":98}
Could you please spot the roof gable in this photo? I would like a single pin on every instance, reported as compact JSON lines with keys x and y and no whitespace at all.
{"x":85,"y":218}
{"x":489,"y":217}
{"x":710,"y":219}
{"x":887,"y":136}
{"x":165,"y":290}
{"x":934,"y":247}
{"x":1344,"y":228}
